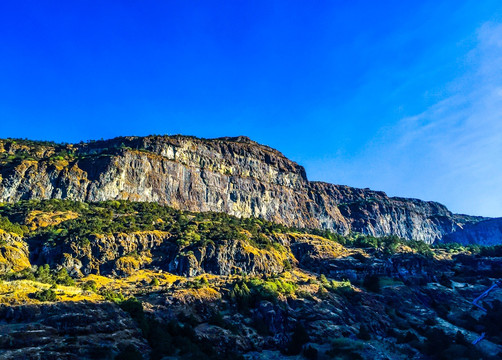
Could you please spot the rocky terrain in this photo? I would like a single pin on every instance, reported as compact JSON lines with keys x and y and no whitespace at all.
{"x":69,"y":330}
{"x":232,"y":175}
{"x":183,"y":248}
{"x":135,"y":280}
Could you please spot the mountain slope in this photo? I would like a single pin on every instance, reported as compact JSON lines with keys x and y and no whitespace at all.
{"x":233,"y":175}
{"x":137,"y":280}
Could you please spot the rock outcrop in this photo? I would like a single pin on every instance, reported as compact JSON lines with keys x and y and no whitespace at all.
{"x":14,"y":253}
{"x":122,"y":254}
{"x":232,"y":175}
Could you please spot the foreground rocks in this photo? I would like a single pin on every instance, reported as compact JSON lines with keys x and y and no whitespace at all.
{"x":400,"y":306}
{"x":67,"y":331}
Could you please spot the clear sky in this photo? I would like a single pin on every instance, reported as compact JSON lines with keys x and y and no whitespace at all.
{"x":400,"y":96}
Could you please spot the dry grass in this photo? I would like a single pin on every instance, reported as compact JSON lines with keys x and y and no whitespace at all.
{"x":132,"y":283}
{"x":20,"y":291}
{"x":39,"y":219}
{"x":205,"y":294}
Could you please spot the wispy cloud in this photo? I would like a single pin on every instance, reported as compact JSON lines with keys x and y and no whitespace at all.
{"x":457,"y":143}
{"x":452,"y":152}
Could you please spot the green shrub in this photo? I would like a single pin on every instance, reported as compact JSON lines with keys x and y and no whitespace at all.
{"x":43,"y":274}
{"x":63,"y":278}
{"x":89,"y":285}
{"x":45,"y":295}
{"x":323,"y":280}
{"x":247,"y":293}
{"x":113,"y":296}
{"x":23,"y":274}
{"x":197,"y":283}
{"x":7,"y":225}
{"x":134,"y":307}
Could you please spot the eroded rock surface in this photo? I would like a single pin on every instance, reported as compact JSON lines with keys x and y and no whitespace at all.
{"x":232,"y":175}
{"x":67,"y":331}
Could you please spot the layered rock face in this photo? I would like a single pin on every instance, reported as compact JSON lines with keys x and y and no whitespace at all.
{"x":67,"y":331}
{"x":232,"y":175}
{"x":123,"y":254}
{"x":486,"y":232}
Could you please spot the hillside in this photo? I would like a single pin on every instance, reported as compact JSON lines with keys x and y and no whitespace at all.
{"x":232,"y":175}
{"x":136,"y":280}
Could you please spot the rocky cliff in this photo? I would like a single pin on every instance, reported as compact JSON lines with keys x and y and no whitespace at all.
{"x":233,"y":175}
{"x":486,"y":232}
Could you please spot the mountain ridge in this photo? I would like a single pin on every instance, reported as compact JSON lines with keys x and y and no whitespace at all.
{"x":235,"y":175}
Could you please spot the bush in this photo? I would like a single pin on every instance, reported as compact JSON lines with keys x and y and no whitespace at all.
{"x":342,"y":288}
{"x":45,"y":295}
{"x":63,"y":278}
{"x":43,"y":274}
{"x":134,"y":307}
{"x":197,"y":283}
{"x":323,"y":280}
{"x":8,"y":226}
{"x":89,"y":286}
{"x":113,"y":296}
{"x":23,"y":274}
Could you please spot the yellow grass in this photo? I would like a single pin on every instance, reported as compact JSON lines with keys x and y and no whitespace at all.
{"x":204,"y":294}
{"x":130,"y":284}
{"x":19,"y":292}
{"x":37,"y":219}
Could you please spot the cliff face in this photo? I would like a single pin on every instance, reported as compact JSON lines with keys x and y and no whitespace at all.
{"x":232,"y":175}
{"x":486,"y":232}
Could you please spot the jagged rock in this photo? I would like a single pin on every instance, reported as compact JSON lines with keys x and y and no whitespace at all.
{"x":233,"y":257}
{"x":122,"y":253}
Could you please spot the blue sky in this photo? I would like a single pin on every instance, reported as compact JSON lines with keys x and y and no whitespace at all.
{"x":404,"y":97}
